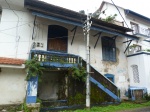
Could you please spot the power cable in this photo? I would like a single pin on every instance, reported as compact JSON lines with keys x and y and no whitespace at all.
{"x":14,"y":27}
{"x":120,"y":13}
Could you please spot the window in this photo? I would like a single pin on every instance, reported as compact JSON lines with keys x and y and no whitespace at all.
{"x":135,"y":74}
{"x":57,"y":38}
{"x":110,"y":77}
{"x":134,"y":27}
{"x":108,"y":49}
{"x":148,"y":32}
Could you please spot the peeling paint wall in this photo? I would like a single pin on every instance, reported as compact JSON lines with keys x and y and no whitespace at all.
{"x":20,"y":46}
{"x":12,"y":86}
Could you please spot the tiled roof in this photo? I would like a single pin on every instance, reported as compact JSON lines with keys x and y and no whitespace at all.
{"x":11,"y":61}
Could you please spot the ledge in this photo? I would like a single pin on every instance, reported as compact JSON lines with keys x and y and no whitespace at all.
{"x":139,"y":53}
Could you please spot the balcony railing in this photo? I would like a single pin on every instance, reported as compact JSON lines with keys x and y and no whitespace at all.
{"x":55,"y":59}
{"x":143,"y":31}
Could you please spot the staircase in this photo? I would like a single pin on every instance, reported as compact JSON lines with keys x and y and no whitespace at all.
{"x":65,"y":60}
{"x":103,"y":83}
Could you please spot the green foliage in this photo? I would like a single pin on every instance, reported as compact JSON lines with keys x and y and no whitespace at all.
{"x":110,"y":18}
{"x":114,"y":108}
{"x":97,"y":96}
{"x":78,"y":73}
{"x":77,"y":99}
{"x":38,"y":100}
{"x":148,"y":50}
{"x":133,"y":46}
{"x":33,"y":68}
{"x":24,"y":107}
{"x":147,"y":97}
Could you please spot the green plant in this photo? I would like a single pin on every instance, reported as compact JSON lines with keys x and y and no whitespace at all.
{"x":77,"y":99}
{"x":148,"y":50}
{"x":78,"y":73}
{"x":33,"y":68}
{"x":133,"y":46}
{"x":110,"y":18}
{"x":147,"y":97}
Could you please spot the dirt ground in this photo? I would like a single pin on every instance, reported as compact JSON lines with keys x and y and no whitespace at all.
{"x":145,"y":109}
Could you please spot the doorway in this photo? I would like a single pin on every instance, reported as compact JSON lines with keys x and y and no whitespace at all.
{"x":57,"y":38}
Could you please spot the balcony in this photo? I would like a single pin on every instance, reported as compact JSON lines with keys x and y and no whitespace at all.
{"x":55,"y":59}
{"x":133,"y":49}
{"x":141,"y":32}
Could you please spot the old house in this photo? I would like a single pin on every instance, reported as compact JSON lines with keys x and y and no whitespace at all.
{"x":32,"y":28}
{"x":138,"y":55}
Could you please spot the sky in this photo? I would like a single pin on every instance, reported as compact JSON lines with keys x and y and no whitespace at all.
{"x":139,"y":6}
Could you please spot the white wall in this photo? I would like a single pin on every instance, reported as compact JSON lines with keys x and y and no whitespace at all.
{"x":111,"y":10}
{"x":15,"y":36}
{"x":17,"y":42}
{"x":142,"y":61}
{"x":12,"y":86}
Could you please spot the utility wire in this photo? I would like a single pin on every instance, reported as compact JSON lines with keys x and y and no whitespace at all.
{"x":14,"y":27}
{"x":120,"y":13}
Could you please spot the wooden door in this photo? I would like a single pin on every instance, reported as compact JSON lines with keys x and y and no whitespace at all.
{"x":57,"y":38}
{"x":57,"y":44}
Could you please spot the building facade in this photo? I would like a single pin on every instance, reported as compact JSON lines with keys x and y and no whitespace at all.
{"x":37,"y":28}
{"x":138,"y":51}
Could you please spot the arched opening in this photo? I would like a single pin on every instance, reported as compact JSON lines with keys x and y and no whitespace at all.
{"x":57,"y":38}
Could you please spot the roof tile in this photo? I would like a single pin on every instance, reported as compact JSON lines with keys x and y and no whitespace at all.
{"x":11,"y":61}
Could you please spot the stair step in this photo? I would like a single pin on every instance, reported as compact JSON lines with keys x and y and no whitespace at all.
{"x":54,"y":103}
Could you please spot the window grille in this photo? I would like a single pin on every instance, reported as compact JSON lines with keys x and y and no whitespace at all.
{"x":135,"y":74}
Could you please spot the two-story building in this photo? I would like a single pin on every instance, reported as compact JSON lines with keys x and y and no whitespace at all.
{"x":31,"y":28}
{"x":137,"y":52}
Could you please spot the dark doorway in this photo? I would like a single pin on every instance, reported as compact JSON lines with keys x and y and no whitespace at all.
{"x":57,"y":38}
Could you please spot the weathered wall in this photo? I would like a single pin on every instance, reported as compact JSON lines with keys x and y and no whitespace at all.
{"x":48,"y":88}
{"x":142,"y":61}
{"x":12,"y":86}
{"x":110,"y":9}
{"x":17,"y":41}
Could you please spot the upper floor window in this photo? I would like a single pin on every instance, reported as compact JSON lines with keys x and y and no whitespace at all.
{"x":148,"y":32}
{"x":134,"y":27}
{"x":108,"y":49}
{"x":57,"y":38}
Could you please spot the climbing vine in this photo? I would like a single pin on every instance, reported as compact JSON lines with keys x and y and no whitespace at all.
{"x":78,"y":73}
{"x":33,"y":68}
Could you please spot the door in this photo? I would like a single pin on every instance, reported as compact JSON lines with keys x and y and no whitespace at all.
{"x":57,"y":38}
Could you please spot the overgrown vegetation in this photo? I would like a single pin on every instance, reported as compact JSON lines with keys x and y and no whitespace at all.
{"x":33,"y":68}
{"x":114,"y":108}
{"x":78,"y":73}
{"x":78,"y":99}
{"x":147,"y":97}
{"x":110,"y":18}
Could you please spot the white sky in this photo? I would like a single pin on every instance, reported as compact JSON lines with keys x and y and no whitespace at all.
{"x":139,"y":6}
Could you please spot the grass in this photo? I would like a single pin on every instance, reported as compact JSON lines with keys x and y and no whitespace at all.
{"x":114,"y":108}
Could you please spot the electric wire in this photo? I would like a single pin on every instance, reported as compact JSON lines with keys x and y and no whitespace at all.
{"x":15,"y":27}
{"x":120,"y":13}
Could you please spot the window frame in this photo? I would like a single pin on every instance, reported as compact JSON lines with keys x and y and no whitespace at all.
{"x":108,"y":49}
{"x":137,"y":31}
{"x":110,"y":76}
{"x":135,"y":70}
